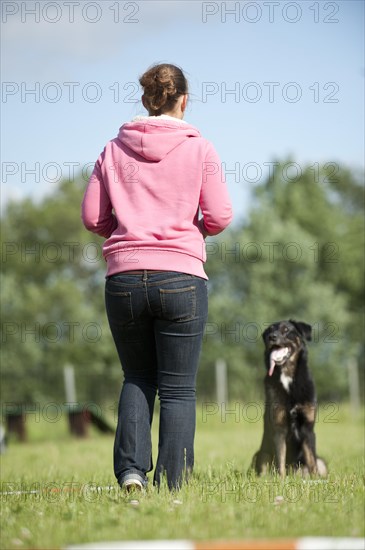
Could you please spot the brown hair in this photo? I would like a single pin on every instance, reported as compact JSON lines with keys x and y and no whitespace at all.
{"x":162,"y":85}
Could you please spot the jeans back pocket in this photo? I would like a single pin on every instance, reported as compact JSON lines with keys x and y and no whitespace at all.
{"x":178,"y":304}
{"x":118,"y":305}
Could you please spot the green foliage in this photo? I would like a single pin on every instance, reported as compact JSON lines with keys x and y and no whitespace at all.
{"x":52,"y":301}
{"x":298,"y":255}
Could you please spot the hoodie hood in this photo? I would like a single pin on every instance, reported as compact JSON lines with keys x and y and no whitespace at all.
{"x":154,"y":137}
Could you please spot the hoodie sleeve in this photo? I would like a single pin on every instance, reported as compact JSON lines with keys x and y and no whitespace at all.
{"x":96,"y":209}
{"x":215,"y":204}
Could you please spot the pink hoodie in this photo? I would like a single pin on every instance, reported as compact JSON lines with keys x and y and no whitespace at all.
{"x":145,"y":193}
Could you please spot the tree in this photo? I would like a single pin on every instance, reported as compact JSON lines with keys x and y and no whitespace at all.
{"x":52,"y":301}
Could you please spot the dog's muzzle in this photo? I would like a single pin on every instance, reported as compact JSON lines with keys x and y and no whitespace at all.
{"x":278,"y":356}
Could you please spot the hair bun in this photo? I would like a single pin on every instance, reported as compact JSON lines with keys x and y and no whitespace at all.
{"x":162,"y":85}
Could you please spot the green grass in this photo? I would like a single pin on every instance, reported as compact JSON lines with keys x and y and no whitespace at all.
{"x":221,"y":501}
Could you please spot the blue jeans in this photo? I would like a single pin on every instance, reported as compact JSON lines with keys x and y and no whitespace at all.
{"x":157,"y":320}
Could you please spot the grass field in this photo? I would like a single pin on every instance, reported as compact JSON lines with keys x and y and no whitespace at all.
{"x":221,"y":501}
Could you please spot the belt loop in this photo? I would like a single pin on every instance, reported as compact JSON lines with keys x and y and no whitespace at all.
{"x":144,"y":275}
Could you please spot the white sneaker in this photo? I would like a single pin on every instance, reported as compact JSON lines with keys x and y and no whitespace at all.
{"x":132,"y":485}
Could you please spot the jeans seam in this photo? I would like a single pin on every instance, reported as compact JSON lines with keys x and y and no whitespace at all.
{"x":145,"y":286}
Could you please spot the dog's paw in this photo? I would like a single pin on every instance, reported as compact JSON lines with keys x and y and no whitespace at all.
{"x":321,"y":468}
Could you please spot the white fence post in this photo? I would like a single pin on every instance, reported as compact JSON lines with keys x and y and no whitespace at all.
{"x":70,"y":387}
{"x":221,"y":381}
{"x":354,"y":388}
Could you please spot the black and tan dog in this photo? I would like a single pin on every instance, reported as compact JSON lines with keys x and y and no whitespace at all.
{"x":288,"y":442}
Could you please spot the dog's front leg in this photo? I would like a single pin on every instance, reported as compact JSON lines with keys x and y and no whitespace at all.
{"x":280,"y":430}
{"x":308,"y":437}
{"x":280,"y":450}
{"x":308,"y":446}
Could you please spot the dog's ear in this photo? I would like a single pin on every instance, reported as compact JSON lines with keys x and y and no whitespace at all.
{"x":303,"y":328}
{"x":265,"y":333}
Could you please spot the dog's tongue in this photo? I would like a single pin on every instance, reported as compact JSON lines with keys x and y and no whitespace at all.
{"x":276,"y":355}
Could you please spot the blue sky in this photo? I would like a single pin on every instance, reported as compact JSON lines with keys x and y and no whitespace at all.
{"x":268,"y":80}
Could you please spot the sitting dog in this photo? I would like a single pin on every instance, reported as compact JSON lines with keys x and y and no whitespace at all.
{"x":288,"y":441}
